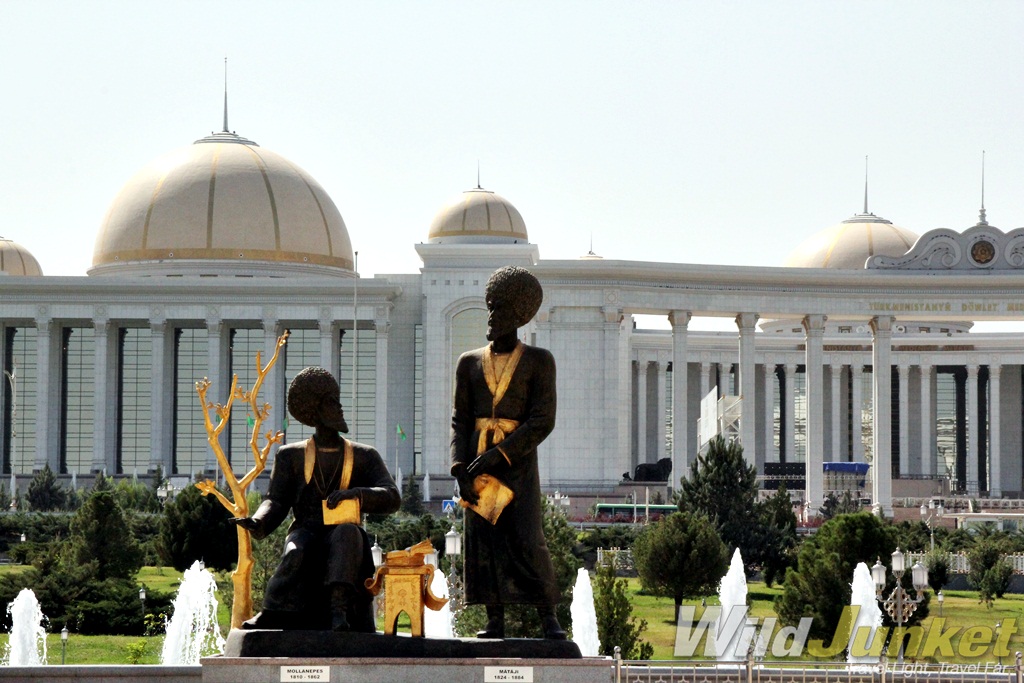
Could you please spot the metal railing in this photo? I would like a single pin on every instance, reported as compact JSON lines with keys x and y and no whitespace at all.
{"x":755,"y":671}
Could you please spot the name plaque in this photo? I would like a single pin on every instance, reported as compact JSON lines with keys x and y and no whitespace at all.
{"x":504,"y":674}
{"x":291,"y":674}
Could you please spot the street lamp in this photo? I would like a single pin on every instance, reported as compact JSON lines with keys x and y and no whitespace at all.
{"x":142,"y":598}
{"x":899,"y":605}
{"x":377,"y":552}
{"x":929,"y":513}
{"x":940,"y":597}
{"x":452,"y":550}
{"x":63,"y":644}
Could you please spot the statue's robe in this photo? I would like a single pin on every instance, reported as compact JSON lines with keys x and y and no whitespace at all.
{"x":508,"y":562}
{"x":317,"y":555}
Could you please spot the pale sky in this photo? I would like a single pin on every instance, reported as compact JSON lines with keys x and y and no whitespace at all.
{"x":690,"y":132}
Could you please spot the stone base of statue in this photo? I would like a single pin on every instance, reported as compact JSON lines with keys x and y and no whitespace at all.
{"x":271,"y":656}
{"x":265,"y":643}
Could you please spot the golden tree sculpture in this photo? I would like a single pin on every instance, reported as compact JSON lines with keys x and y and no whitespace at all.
{"x":241,"y":578}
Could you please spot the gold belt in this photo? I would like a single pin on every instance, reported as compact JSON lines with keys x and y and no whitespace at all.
{"x":497,"y":427}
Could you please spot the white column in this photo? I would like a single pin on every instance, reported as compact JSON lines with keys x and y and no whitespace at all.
{"x":47,"y":396}
{"x":789,"y":428}
{"x":680,"y":384}
{"x":814,"y":327}
{"x":881,"y":374}
{"x":927,"y":442}
{"x":973,"y":485}
{"x":904,"y":376}
{"x":835,"y":447}
{"x":994,"y":456}
{"x":382,"y":326}
{"x":618,"y":389}
{"x":857,"y":409}
{"x":705,"y":379}
{"x":5,"y":386}
{"x":159,"y":434}
{"x":103,"y":437}
{"x":769,"y":410}
{"x":273,"y":386}
{"x":747,"y":386}
{"x":641,"y":409}
{"x":216,"y":351}
{"x":660,"y":369}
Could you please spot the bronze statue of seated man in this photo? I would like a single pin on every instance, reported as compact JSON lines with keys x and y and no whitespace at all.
{"x":327,"y":482}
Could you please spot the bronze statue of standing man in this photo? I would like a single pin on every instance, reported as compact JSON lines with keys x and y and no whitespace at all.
{"x":504,"y":407}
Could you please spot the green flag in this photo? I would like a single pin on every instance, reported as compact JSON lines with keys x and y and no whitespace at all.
{"x":251,"y":421}
{"x":398,"y":430}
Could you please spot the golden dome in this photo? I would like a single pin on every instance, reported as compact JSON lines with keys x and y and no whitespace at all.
{"x":848,"y":245}
{"x":223,"y":204}
{"x":17,"y":260}
{"x":478,"y":216}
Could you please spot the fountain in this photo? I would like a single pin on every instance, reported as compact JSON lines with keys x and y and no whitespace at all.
{"x":869,"y":617}
{"x":193,"y":631}
{"x":732,"y":593}
{"x":438,"y":623}
{"x":27,"y":644}
{"x":584,"y":617}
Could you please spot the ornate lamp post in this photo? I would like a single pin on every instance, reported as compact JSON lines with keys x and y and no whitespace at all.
{"x":378,"y":600}
{"x":899,"y":605}
{"x":452,"y":550}
{"x":929,"y":513}
{"x":63,"y":644}
{"x":142,"y":599}
{"x":940,"y":597}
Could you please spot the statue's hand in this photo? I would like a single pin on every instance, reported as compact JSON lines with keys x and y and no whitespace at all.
{"x":247,"y":523}
{"x":338,"y":496}
{"x":466,"y":490}
{"x":486,"y":463}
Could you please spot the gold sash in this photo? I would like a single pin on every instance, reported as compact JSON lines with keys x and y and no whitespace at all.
{"x":493,"y":494}
{"x":347,"y":511}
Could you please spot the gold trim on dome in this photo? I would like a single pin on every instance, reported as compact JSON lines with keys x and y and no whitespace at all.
{"x":133,"y":255}
{"x":316,"y":200}
{"x":262,"y":166}
{"x":149,"y":210}
{"x":210,"y":198}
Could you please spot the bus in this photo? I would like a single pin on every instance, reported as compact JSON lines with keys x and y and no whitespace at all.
{"x":631,"y":513}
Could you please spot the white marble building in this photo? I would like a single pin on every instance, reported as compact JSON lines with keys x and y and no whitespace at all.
{"x":211,"y":252}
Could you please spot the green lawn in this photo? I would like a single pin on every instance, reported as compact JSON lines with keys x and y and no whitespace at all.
{"x":961,"y":610}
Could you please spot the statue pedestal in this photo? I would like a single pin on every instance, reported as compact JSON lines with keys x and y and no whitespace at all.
{"x":277,"y":656}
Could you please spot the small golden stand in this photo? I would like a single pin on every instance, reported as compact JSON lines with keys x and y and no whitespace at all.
{"x":405,"y":578}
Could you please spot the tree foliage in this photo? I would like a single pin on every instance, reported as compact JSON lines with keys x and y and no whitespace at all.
{"x":616,"y":624}
{"x":989,"y":573}
{"x":835,"y":505}
{"x":775,"y":536}
{"x":196,"y":527}
{"x":101,"y":536}
{"x":937,"y":564}
{"x":45,"y":494}
{"x":819,"y":585}
{"x":680,"y":556}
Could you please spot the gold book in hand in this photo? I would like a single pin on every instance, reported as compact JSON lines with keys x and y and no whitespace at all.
{"x":493,"y":496}
{"x":347,"y":512}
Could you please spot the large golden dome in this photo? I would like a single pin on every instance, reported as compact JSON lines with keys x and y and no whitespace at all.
{"x":17,"y":260}
{"x":478,"y":216}
{"x":848,"y":245}
{"x":223,"y":205}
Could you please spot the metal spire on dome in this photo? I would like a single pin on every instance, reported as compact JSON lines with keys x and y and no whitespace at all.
{"x":865,"y":181}
{"x":478,"y":175}
{"x":226,"y":129}
{"x":981,"y":214}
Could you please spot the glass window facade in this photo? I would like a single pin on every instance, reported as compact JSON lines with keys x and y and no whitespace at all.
{"x":77,"y":388}
{"x":301,"y":351}
{"x":360,"y":409}
{"x":19,"y":418}
{"x":244,"y":345}
{"x":417,"y":401}
{"x":134,"y":399}
{"x":191,"y":361}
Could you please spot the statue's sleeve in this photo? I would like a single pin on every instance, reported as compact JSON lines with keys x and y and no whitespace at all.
{"x":540,"y":410}
{"x":463,"y":420}
{"x":377,"y":490}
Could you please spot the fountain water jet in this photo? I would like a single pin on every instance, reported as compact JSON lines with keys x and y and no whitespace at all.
{"x":870,"y":615}
{"x":27,"y":644}
{"x":584,"y":616}
{"x":193,"y":631}
{"x":732,"y":593}
{"x":438,"y":623}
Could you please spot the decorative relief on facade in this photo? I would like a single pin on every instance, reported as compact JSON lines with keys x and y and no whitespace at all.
{"x":982,"y":247}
